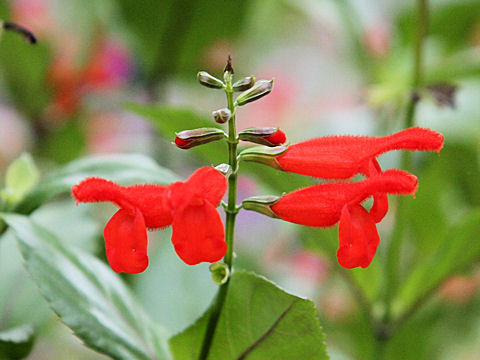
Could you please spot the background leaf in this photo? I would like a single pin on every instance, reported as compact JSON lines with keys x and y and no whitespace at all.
{"x":21,"y":176}
{"x":124,"y":169}
{"x":258,"y":321}
{"x":458,"y":250}
{"x":87,"y":296}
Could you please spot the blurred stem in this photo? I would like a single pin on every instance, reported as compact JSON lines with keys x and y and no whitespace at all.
{"x":231,"y":211}
{"x":393,"y":253}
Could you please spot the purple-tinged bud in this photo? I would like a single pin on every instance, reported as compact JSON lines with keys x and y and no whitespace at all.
{"x":269,"y":136}
{"x":244,"y":84}
{"x":259,"y":90}
{"x":190,"y":138}
{"x":210,"y":81}
{"x":222,"y":116}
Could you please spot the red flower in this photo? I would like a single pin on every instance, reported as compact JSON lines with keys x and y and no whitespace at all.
{"x":190,"y":207}
{"x":342,"y":157}
{"x":326,"y":204}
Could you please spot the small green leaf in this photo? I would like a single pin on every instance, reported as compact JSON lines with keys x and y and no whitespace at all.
{"x":258,"y":321}
{"x":87,"y":295}
{"x":124,"y":169}
{"x":21,"y":176}
{"x":458,"y":250}
{"x":16,"y":343}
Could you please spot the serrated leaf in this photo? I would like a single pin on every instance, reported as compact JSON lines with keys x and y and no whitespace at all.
{"x":124,"y":169}
{"x":458,"y":250}
{"x":258,"y":321}
{"x":16,"y":343}
{"x":87,"y":296}
{"x":21,"y":176}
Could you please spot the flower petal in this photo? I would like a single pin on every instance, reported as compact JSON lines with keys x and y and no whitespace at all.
{"x":321,"y":205}
{"x":206,"y":183}
{"x":358,"y":237}
{"x":126,"y":242}
{"x":342,"y":157}
{"x":197,"y":233}
{"x":151,"y":200}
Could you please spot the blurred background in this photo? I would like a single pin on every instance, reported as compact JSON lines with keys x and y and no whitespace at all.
{"x":340,"y":67}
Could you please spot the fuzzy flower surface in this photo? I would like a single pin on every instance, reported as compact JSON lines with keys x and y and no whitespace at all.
{"x":190,"y":207}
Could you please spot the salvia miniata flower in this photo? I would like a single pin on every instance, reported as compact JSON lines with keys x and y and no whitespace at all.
{"x":342,"y":157}
{"x":190,"y":207}
{"x":325,"y":205}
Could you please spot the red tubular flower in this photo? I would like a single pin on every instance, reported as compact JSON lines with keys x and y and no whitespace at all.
{"x":326,"y":204}
{"x":342,"y":157}
{"x":190,"y":207}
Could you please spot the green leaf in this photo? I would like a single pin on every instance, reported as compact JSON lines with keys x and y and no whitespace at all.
{"x":458,"y":250}
{"x":16,"y":343}
{"x":21,"y":176}
{"x":124,"y":169}
{"x":87,"y":295}
{"x":258,"y":321}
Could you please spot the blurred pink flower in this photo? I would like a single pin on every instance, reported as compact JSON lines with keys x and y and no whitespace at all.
{"x":34,"y":14}
{"x":460,"y":289}
{"x":376,"y":40}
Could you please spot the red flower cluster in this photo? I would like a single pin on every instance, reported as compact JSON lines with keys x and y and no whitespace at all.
{"x":184,"y":205}
{"x":342,"y":157}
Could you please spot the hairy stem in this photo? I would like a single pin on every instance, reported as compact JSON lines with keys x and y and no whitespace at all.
{"x":393,"y":263}
{"x":231,"y":211}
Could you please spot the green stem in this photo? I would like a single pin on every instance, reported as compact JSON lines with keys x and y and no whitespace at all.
{"x":231,"y":211}
{"x":393,"y":253}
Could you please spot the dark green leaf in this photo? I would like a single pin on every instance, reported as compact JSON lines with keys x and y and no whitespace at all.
{"x":458,"y":250}
{"x":124,"y":169}
{"x":16,"y":343}
{"x":258,"y":321}
{"x":87,"y":295}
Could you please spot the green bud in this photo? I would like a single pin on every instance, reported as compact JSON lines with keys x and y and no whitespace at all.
{"x":244,"y":84}
{"x":259,"y":90}
{"x":264,"y":155}
{"x":220,"y":273}
{"x":190,"y":138}
{"x":21,"y":176}
{"x":222,"y":116}
{"x":210,"y":81}
{"x":261,"y":204}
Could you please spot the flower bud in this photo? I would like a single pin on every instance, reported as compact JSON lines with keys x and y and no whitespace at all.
{"x":222,"y":116}
{"x":225,"y":169}
{"x":210,"y":81}
{"x":261,"y":204}
{"x":259,"y":90}
{"x":264,"y":155}
{"x":190,"y":138}
{"x":220,"y":272}
{"x":244,"y":84}
{"x":269,"y":136}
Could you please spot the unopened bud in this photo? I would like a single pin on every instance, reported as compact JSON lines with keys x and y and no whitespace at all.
{"x":261,"y":204}
{"x":225,"y":169}
{"x":220,"y":272}
{"x":264,"y":155}
{"x":244,"y":84}
{"x":210,"y":81}
{"x":222,"y":116}
{"x":269,"y":136}
{"x":190,"y":138}
{"x":259,"y":90}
